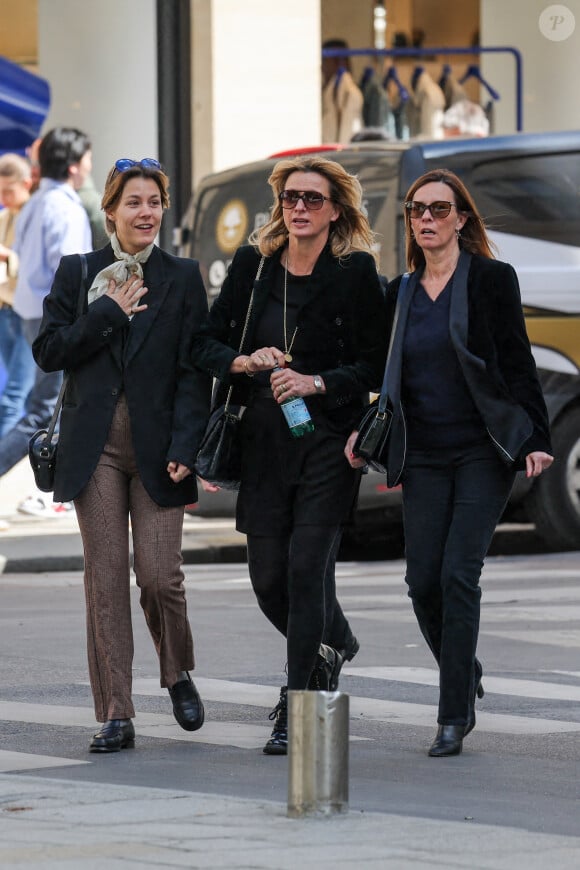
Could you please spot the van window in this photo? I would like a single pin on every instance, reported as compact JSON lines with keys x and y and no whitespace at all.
{"x":533,"y":196}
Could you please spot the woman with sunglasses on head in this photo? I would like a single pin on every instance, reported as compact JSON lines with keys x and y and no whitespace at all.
{"x":134,"y":412}
{"x":468,"y":412}
{"x":315,"y":333}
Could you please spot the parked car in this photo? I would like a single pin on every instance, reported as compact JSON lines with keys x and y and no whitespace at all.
{"x":527,"y":187}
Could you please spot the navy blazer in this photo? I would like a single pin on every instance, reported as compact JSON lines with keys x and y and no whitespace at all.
{"x":147,"y":358}
{"x":488,"y":332}
{"x":343,"y":325}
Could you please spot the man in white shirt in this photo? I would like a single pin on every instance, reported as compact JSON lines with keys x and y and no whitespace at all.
{"x":51,"y":224}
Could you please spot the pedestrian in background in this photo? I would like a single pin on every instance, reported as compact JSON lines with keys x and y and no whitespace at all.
{"x":316,"y":333}
{"x":15,"y":353}
{"x":51,"y":224}
{"x":468,"y":412}
{"x":133,"y":415}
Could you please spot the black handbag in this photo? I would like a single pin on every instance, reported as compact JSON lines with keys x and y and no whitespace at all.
{"x":372,"y":442}
{"x":43,"y":446}
{"x":219,"y":458}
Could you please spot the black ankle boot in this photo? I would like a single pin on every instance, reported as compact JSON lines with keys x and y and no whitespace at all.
{"x":478,"y":675}
{"x":449,"y":741}
{"x":324,"y":676}
{"x":278,"y":742}
{"x":350,"y":649}
{"x":478,"y":692}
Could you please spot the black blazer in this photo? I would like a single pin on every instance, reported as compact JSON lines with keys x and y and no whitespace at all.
{"x":488,"y":332}
{"x":343,"y":324}
{"x":147,"y":358}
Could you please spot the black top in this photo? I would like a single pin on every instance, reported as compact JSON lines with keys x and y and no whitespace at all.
{"x":488,"y":334}
{"x":343,"y":327}
{"x":270,"y":326}
{"x":438,"y":406}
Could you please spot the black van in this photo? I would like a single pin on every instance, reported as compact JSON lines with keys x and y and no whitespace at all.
{"x":527,"y":186}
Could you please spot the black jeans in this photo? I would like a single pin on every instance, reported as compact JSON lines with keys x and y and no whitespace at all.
{"x":293,"y":578}
{"x":452,"y":501}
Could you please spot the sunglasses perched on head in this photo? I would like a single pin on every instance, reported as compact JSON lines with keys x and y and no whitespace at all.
{"x":126,"y":163}
{"x":311,"y":198}
{"x":439,"y":209}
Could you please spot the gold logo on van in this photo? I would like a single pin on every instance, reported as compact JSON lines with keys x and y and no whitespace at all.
{"x":232,"y":226}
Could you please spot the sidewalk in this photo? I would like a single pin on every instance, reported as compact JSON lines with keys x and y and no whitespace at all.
{"x":55,"y":824}
{"x":34,"y":544}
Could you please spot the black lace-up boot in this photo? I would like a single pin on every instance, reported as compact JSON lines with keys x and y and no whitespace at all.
{"x":278,"y":742}
{"x":324,"y":677}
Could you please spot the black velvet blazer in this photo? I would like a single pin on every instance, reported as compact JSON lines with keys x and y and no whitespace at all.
{"x":488,"y":332}
{"x":343,"y":324}
{"x":147,"y":358}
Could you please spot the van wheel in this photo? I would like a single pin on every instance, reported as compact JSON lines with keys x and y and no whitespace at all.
{"x":554,"y":502}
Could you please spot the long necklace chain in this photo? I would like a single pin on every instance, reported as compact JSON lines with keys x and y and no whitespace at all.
{"x":287,"y":348}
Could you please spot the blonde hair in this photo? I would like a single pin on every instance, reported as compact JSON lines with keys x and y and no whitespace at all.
{"x":14,"y":166}
{"x":473,"y":237}
{"x":351,"y":230}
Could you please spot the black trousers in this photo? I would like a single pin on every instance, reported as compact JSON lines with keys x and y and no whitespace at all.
{"x":294,"y":582}
{"x":452,"y":501}
{"x":295,"y":496}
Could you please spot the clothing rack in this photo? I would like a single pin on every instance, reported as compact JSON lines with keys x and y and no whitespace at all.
{"x":438,"y":50}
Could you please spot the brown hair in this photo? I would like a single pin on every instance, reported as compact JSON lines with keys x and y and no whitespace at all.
{"x":473,"y":237}
{"x":115,"y":185}
{"x":350,"y":232}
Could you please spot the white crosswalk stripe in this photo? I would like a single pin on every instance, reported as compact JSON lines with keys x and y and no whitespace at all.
{"x":518,"y":604}
{"x":372,"y":708}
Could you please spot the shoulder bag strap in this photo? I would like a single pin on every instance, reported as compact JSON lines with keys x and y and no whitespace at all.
{"x":243,"y":338}
{"x":383,"y":395}
{"x":80,"y":303}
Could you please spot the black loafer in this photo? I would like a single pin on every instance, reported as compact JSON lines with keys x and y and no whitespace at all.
{"x":449,"y":741}
{"x":114,"y":735}
{"x":187,"y":705}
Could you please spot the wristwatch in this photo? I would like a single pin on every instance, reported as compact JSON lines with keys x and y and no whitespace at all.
{"x":318,"y":384}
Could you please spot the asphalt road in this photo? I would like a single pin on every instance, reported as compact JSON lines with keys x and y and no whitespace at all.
{"x":519,"y":767}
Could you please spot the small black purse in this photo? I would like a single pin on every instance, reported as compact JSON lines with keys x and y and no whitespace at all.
{"x":372,"y":442}
{"x":43,"y":446}
{"x":219,"y":458}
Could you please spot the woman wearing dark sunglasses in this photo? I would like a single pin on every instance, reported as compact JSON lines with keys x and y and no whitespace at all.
{"x":316,"y":333}
{"x":133,"y":415}
{"x":468,"y":412}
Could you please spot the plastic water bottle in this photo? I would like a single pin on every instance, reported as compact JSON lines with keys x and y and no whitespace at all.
{"x":297,"y":415}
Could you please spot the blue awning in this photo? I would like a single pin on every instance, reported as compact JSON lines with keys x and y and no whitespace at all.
{"x":24,"y":104}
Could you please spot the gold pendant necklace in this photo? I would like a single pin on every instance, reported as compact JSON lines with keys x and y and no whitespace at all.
{"x":287,"y":348}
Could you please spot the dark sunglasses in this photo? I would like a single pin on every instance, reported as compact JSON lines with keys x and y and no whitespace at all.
{"x":126,"y":163}
{"x":312,"y":200}
{"x":439,"y":209}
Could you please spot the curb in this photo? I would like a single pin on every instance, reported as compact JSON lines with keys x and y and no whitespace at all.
{"x":207,"y":555}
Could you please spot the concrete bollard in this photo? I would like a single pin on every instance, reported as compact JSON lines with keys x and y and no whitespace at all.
{"x":317,"y":753}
